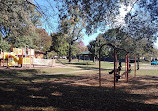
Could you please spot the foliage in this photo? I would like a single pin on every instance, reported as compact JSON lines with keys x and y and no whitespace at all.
{"x":142,"y":23}
{"x":51,"y":54}
{"x":95,"y":45}
{"x":139,"y":21}
{"x":71,"y":26}
{"x":77,"y":49}
{"x":45,"y":41}
{"x":122,"y":40}
{"x":82,"y":47}
{"x":59,"y":44}
{"x":17,"y":17}
{"x":30,"y":40}
{"x":4,"y":45}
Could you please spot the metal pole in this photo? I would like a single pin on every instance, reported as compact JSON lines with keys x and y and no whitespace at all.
{"x":125,"y":63}
{"x":114,"y":68}
{"x":116,"y":61}
{"x":8,"y":60}
{"x":30,"y":58}
{"x":127,"y":66}
{"x":3,"y":59}
{"x":22,"y":57}
{"x":135,"y":67}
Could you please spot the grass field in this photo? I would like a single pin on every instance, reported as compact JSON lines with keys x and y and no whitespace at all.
{"x":74,"y":87}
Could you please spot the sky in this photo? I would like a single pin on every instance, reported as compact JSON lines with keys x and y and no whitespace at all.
{"x":87,"y":39}
{"x":50,"y":23}
{"x":156,"y":44}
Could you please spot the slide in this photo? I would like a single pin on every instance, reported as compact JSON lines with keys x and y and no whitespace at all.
{"x":16,"y":59}
{"x":26,"y":60}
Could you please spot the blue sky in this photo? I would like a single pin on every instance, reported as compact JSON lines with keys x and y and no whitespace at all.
{"x":50,"y":23}
{"x":87,"y":39}
{"x":156,"y":44}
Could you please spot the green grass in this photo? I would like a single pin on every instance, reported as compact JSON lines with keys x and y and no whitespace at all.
{"x":86,"y":64}
{"x":106,"y":67}
{"x":80,"y":68}
{"x":57,"y":70}
{"x":35,"y":89}
{"x":147,"y":72}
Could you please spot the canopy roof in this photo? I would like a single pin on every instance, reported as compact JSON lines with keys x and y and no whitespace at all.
{"x":86,"y":53}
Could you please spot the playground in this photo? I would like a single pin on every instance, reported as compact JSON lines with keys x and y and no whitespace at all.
{"x":75,"y":86}
{"x":79,"y":55}
{"x":23,"y":57}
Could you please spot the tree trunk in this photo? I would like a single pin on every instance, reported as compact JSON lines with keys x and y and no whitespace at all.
{"x":70,"y":51}
{"x":138,"y":63}
{"x":93,"y":58}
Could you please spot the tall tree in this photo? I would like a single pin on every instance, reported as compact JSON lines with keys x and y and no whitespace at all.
{"x":82,"y":47}
{"x":95,"y":45}
{"x":45,"y":41}
{"x":139,"y":21}
{"x":71,"y":26}
{"x":99,"y":13}
{"x":141,"y":25}
{"x":17,"y":16}
{"x":59,"y":44}
{"x":120,"y":39}
{"x":18,"y":19}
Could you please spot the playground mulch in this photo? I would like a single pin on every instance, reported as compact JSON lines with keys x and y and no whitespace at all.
{"x":78,"y":93}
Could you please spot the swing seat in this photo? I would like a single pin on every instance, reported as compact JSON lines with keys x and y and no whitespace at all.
{"x":118,"y":76}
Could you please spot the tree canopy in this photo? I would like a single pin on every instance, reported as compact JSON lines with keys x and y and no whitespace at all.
{"x":17,"y":17}
{"x":18,"y":21}
{"x":137,"y":18}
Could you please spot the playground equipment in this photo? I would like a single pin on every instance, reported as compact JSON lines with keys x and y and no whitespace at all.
{"x":20,"y":56}
{"x":116,"y":75}
{"x":7,"y":55}
{"x":23,"y":57}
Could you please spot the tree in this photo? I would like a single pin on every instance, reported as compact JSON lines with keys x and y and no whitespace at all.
{"x":17,"y":16}
{"x":59,"y":44}
{"x":45,"y":41}
{"x":71,"y":26}
{"x":82,"y":47}
{"x":100,"y":13}
{"x":29,"y":40}
{"x":18,"y":19}
{"x":76,"y":49}
{"x":141,"y":25}
{"x":95,"y":45}
{"x":4,"y":45}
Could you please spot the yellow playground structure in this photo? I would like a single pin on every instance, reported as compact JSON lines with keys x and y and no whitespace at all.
{"x":17,"y":56}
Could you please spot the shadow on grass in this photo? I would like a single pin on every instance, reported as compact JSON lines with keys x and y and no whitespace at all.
{"x":63,"y":96}
{"x":141,"y":82}
{"x":87,"y":66}
{"x":81,"y":63}
{"x":93,"y":68}
{"x":16,"y":72}
{"x":45,"y":77}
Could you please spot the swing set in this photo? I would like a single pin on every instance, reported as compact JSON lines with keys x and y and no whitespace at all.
{"x":115,"y":70}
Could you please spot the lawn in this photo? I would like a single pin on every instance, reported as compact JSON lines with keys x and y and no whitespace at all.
{"x":75,"y":87}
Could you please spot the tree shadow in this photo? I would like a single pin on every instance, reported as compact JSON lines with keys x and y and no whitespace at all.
{"x":144,"y":82}
{"x":64,"y":95}
{"x":80,"y":63}
{"x":92,"y":68}
{"x":16,"y":72}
